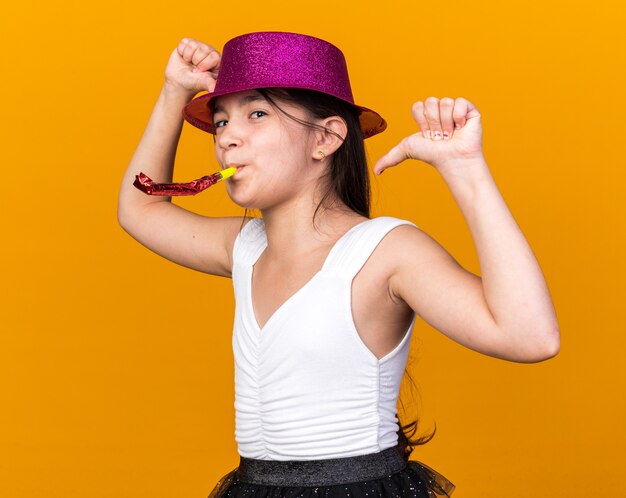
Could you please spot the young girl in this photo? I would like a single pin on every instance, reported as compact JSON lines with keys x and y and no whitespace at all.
{"x":326,"y":297}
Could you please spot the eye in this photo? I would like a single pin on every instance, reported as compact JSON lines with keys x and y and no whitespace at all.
{"x":258,"y":114}
{"x":220,"y":123}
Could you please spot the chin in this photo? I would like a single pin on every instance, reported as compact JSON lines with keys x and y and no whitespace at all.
{"x":249,"y":198}
{"x":243,"y":201}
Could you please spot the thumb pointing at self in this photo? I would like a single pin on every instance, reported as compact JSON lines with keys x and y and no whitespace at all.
{"x":451,"y":130}
{"x":395,"y":156}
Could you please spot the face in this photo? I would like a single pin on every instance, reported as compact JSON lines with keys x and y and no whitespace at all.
{"x":272,"y":152}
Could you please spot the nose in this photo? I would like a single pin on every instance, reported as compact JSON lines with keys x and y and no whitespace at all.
{"x":229,"y":136}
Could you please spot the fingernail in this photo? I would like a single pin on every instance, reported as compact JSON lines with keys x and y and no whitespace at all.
{"x":428,"y":134}
{"x":446,"y":135}
{"x":437,"y":135}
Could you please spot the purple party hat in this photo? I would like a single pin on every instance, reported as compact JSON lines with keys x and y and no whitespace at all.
{"x":281,"y":60}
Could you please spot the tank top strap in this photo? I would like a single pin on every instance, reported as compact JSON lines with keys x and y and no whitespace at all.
{"x":250,"y":243}
{"x":352,"y":251}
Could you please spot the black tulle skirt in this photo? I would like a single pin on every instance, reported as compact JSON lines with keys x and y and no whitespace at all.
{"x":384,"y":474}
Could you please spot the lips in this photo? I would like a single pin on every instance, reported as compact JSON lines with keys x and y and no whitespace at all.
{"x":236,"y":165}
{"x":235,"y":174}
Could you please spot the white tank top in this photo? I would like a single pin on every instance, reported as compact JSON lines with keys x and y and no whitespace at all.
{"x":306,"y":386}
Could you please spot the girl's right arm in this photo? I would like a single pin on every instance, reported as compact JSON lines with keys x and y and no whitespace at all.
{"x":195,"y":241}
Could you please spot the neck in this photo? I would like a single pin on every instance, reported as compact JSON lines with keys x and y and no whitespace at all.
{"x":291,"y":231}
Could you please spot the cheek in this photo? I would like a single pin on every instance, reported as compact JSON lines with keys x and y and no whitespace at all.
{"x":289,"y":161}
{"x":218,"y":155}
{"x":291,"y":143}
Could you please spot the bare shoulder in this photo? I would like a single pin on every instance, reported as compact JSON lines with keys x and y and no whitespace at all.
{"x":416,"y":264}
{"x":403,"y":250}
{"x":408,"y":244}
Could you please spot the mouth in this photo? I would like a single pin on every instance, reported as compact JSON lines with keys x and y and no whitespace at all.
{"x":235,"y":165}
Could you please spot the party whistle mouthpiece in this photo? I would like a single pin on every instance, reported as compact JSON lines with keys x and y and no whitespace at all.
{"x":147,"y":186}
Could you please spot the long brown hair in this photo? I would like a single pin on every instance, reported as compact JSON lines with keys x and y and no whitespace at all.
{"x":347,"y":179}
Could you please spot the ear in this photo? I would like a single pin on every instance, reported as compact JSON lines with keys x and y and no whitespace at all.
{"x":328,"y":140}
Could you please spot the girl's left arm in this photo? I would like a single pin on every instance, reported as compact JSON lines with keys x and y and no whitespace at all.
{"x":509,"y":304}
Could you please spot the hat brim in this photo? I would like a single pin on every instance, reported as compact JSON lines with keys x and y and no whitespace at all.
{"x":198,"y":113}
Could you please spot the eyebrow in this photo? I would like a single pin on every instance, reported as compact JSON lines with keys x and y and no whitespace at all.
{"x":242,"y":101}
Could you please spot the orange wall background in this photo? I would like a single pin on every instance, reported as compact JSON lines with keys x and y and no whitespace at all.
{"x":115,"y":365}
